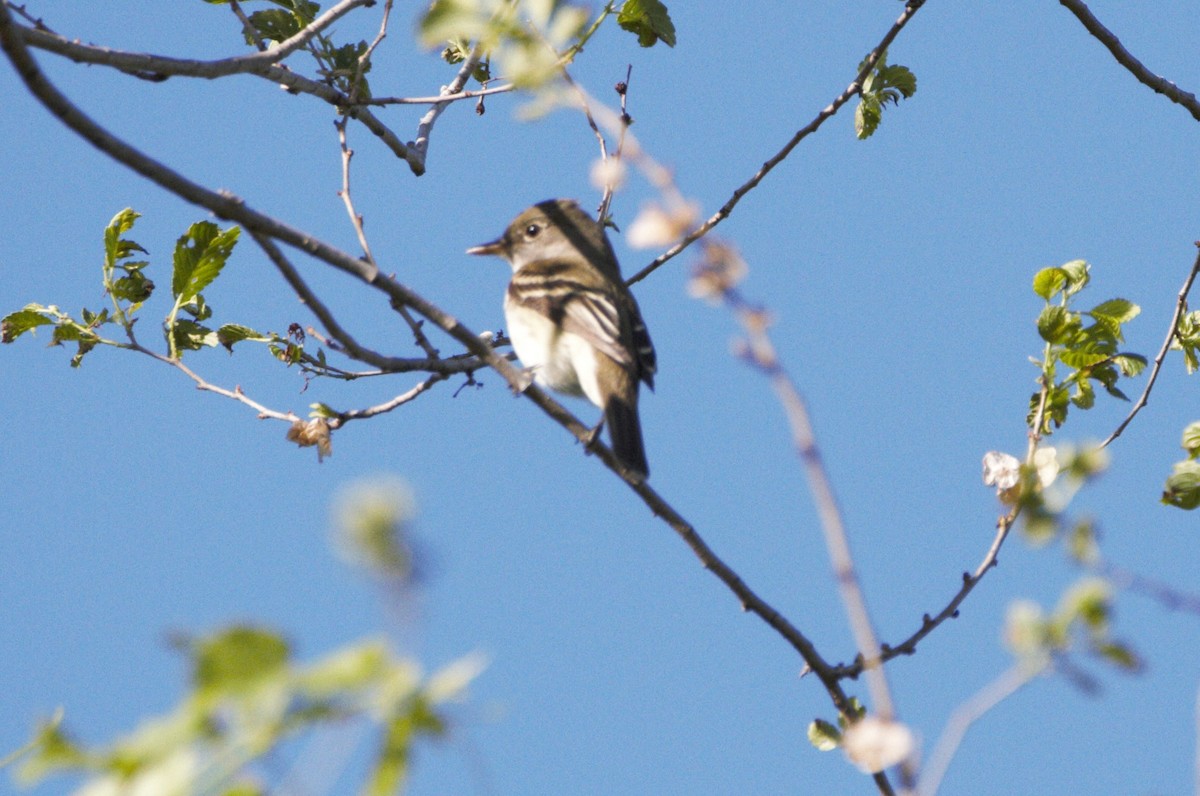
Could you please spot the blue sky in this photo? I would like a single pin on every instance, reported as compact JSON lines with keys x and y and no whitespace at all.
{"x":898,"y":271}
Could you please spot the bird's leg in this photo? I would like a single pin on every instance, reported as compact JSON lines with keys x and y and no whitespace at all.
{"x":589,"y":442}
{"x":525,"y":378}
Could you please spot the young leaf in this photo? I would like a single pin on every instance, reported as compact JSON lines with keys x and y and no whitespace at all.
{"x":237,"y":658}
{"x":649,"y":20}
{"x":18,"y":323}
{"x":1183,"y":486}
{"x":1056,"y":324}
{"x":1049,"y":281}
{"x":200,"y":254}
{"x":232,"y":333}
{"x":191,"y":336}
{"x":1118,"y":310}
{"x":1078,"y":276}
{"x":824,"y":735}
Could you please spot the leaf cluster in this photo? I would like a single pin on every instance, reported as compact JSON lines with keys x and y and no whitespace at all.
{"x":340,"y":64}
{"x":531,"y":39}
{"x":885,"y":83}
{"x":1082,"y":621}
{"x":247,"y":697}
{"x":1082,"y":347}
{"x":199,"y":257}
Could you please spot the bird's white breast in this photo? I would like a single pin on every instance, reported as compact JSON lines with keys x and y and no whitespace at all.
{"x":562,"y":361}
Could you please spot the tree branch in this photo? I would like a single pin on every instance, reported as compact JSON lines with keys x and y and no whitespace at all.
{"x":910,"y":8}
{"x":961,"y":720}
{"x":230,"y":207}
{"x":1126,"y":59}
{"x":187,"y":67}
{"x":1172,"y":330}
{"x":261,"y":64}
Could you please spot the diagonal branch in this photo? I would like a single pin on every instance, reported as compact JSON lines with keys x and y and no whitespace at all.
{"x":187,"y":67}
{"x":1172,"y":331}
{"x":230,"y":207}
{"x":256,"y":64}
{"x":910,"y":8}
{"x":1127,"y":60}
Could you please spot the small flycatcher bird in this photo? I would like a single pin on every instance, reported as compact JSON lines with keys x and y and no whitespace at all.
{"x":572,"y":320}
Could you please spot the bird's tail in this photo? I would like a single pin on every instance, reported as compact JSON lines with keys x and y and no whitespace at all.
{"x":625,"y":430}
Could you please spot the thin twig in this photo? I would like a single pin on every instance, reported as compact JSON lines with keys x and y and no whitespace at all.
{"x":360,"y":414}
{"x":1172,"y":330}
{"x":420,"y":147}
{"x":356,"y":220}
{"x":970,"y":580}
{"x":1127,"y":60}
{"x":247,"y":26}
{"x":202,"y":384}
{"x":455,"y":97}
{"x":961,"y":720}
{"x":910,"y":8}
{"x":365,"y":58}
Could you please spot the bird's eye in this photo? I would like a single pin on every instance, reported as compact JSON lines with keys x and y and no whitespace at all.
{"x":532,"y":230}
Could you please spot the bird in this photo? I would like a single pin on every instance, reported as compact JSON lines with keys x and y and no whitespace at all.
{"x":572,"y":320}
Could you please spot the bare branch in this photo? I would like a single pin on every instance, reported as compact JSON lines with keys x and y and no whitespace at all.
{"x":425,"y":126}
{"x":1172,"y":330}
{"x":910,"y":8}
{"x":261,"y":64}
{"x":187,"y":67}
{"x":348,"y":345}
{"x":961,"y":720}
{"x":1127,"y":60}
{"x":461,"y":95}
{"x":405,"y":397}
{"x":970,"y":580}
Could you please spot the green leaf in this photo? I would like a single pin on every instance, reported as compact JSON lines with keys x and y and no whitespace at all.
{"x":200,"y":254}
{"x":114,"y":247}
{"x":18,"y":323}
{"x":192,"y":336}
{"x":1090,"y":602}
{"x":134,"y":288}
{"x":867,"y":116}
{"x":648,"y":19}
{"x":1084,"y":396}
{"x":824,"y":736}
{"x":1130,"y":364}
{"x":1049,"y":281}
{"x":238,"y":658}
{"x":1078,"y":276}
{"x":1057,"y":324}
{"x":899,"y":78}
{"x":232,"y":333}
{"x":1118,"y":309}
{"x":1080,"y":359}
{"x":1183,"y":486}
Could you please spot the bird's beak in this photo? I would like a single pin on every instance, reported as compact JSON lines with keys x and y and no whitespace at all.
{"x":496,"y":246}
